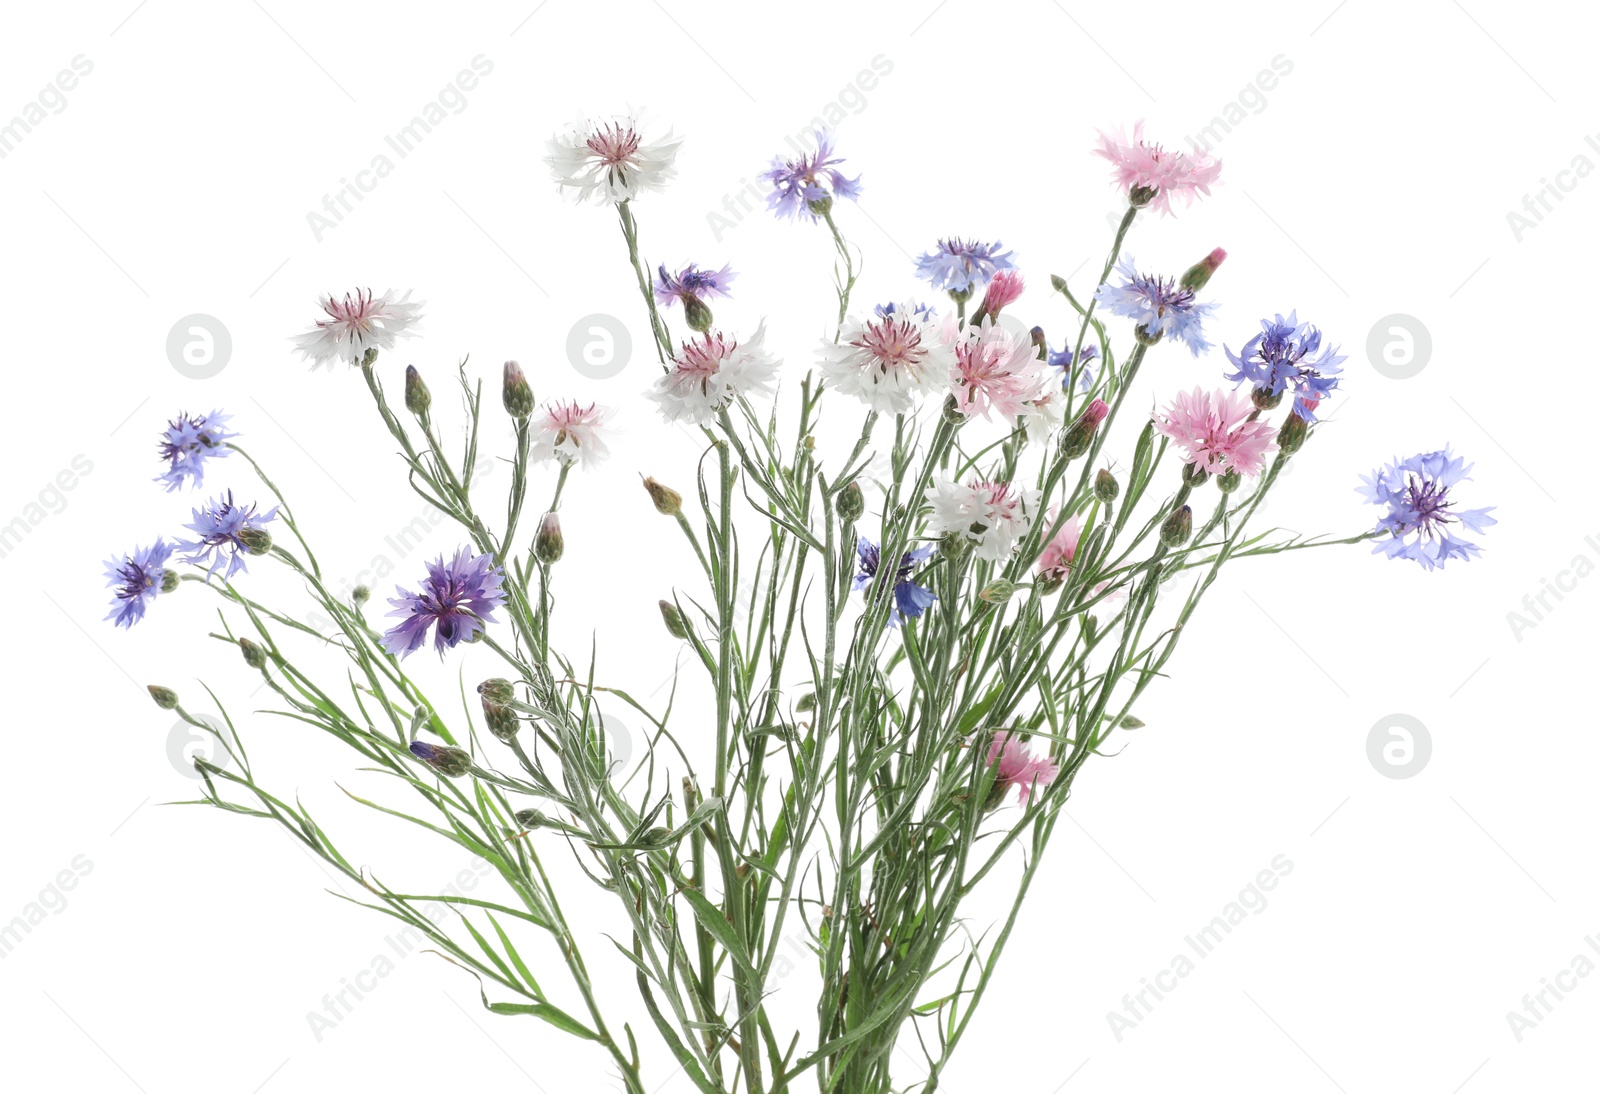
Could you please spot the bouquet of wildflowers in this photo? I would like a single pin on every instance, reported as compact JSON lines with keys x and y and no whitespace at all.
{"x":908,"y":632}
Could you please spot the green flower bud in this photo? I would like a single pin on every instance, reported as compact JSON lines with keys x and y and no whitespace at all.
{"x":360,"y":594}
{"x":1229,"y":481}
{"x":1130,"y":722}
{"x":952,"y":409}
{"x":1145,"y":336}
{"x":257,"y":541}
{"x":1105,"y":485}
{"x":169,"y":581}
{"x":165,"y":698}
{"x":1292,"y":435}
{"x":1194,"y":475}
{"x":254,"y":655}
{"x":418,"y":398}
{"x":497,"y":690}
{"x":452,"y":763}
{"x":851,"y":504}
{"x":548,"y":544}
{"x":529,"y":818}
{"x":1076,"y":441}
{"x":997,"y":591}
{"x":668,"y":501}
{"x":1176,"y":529}
{"x":808,"y":702}
{"x":673,"y":618}
{"x":696,"y":313}
{"x":515,"y":393}
{"x":1195,"y":277}
{"x":369,"y":358}
{"x":501,"y":720}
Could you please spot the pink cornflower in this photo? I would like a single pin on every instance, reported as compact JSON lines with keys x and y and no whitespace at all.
{"x":995,"y":371}
{"x":1213,"y":430}
{"x":1016,"y":766}
{"x":991,"y":516}
{"x":1003,"y":290}
{"x":1154,"y":174}
{"x":569,"y":432}
{"x":1056,"y":558}
{"x":355,"y":324}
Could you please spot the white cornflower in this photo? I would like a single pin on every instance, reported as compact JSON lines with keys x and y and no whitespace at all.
{"x":356,"y":324}
{"x":570,"y":433}
{"x":711,"y":371}
{"x":607,"y":159}
{"x":991,"y":516}
{"x":889,"y":359}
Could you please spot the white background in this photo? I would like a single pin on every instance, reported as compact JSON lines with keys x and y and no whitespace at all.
{"x":1374,"y":178}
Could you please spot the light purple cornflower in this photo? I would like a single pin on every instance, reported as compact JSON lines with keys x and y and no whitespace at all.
{"x":806,"y":186}
{"x":1083,"y":366}
{"x":1288,"y":355}
{"x":1159,"y":307}
{"x":456,"y":600}
{"x":910,"y":599}
{"x":692,"y":282}
{"x":187,"y":443}
{"x":137,"y":578}
{"x":1418,"y":509}
{"x":227,"y":531}
{"x":963,"y":265}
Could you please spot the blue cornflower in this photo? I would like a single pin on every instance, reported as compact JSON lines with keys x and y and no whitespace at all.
{"x":1158,"y":306}
{"x":1084,"y":366}
{"x":1418,"y":509}
{"x":692,"y":281}
{"x":922,"y":313}
{"x":138,"y":579}
{"x":227,"y":532}
{"x":910,"y":599}
{"x":1285,"y":356}
{"x":963,"y":265}
{"x":187,"y":443}
{"x":806,"y":186}
{"x":457,"y":599}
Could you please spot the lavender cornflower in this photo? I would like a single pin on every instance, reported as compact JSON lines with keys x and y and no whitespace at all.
{"x":692,"y":286}
{"x":187,"y":443}
{"x":1083,"y":366}
{"x":960,"y":266}
{"x":1158,"y":306}
{"x":138,"y":579}
{"x":910,"y":599}
{"x":1285,"y":356}
{"x":807,"y":185}
{"x":227,"y":532}
{"x":1419,"y":511}
{"x":457,"y":599}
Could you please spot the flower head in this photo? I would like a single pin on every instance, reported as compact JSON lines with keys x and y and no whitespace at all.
{"x":1003,"y":291}
{"x":607,"y":159}
{"x":187,"y":443}
{"x":137,"y":577}
{"x":1016,"y":766}
{"x":910,"y":599}
{"x":922,"y":312}
{"x":224,"y":530}
{"x":887,"y":360}
{"x":963,"y":265}
{"x":1157,"y":305}
{"x":1150,"y":175}
{"x":456,"y":600}
{"x":357,"y":323}
{"x":692,"y":282}
{"x":1056,"y":558}
{"x":806,"y":186}
{"x":1288,"y":356}
{"x":1419,"y":512}
{"x":710,"y":372}
{"x":1214,"y":431}
{"x":569,"y":432}
{"x":995,"y":370}
{"x":991,"y":516}
{"x":1082,"y":366}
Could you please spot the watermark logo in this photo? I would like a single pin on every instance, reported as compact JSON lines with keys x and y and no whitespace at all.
{"x":199,"y":346}
{"x":1399,"y":346}
{"x":599,"y":346}
{"x":1399,"y":746}
{"x":186,"y":742}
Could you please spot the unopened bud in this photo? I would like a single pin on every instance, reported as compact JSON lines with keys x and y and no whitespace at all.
{"x":952,"y":409}
{"x":497,"y":690}
{"x":1194,"y":475}
{"x":1265,"y":398}
{"x":254,"y":655}
{"x":807,"y":702}
{"x":1145,"y":336}
{"x":1292,"y":435}
{"x":360,"y":594}
{"x":851,"y":504}
{"x":1105,"y":485}
{"x":529,"y":818}
{"x":418,"y":399}
{"x":169,"y":581}
{"x":452,"y":763}
{"x":1176,"y":528}
{"x":548,"y":544}
{"x":997,"y":591}
{"x":501,"y":720}
{"x":696,"y":313}
{"x":1195,"y":277}
{"x":1041,"y":349}
{"x":1229,"y":481}
{"x":516,"y":394}
{"x":1076,"y":441}
{"x":1130,"y":722}
{"x":165,"y":698}
{"x":369,"y":358}
{"x":257,"y":541}
{"x":668,"y":501}
{"x":673,"y":618}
